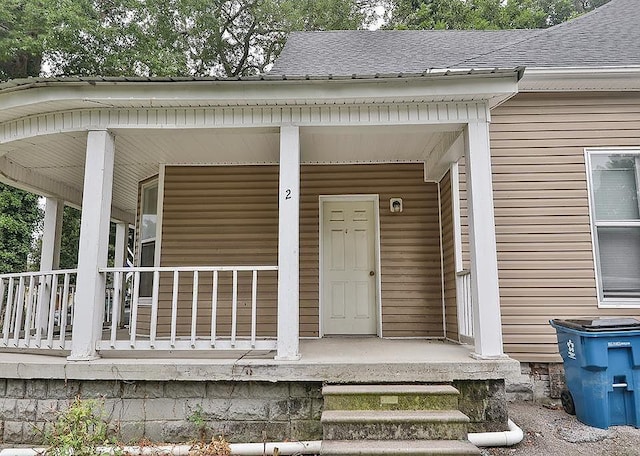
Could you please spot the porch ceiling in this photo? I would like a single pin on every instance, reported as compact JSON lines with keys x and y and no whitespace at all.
{"x":139,"y":152}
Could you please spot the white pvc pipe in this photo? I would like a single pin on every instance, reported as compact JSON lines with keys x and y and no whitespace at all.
{"x":491,"y":439}
{"x":237,"y":449}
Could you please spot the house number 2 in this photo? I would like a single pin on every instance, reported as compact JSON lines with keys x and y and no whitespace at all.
{"x":287,"y":194}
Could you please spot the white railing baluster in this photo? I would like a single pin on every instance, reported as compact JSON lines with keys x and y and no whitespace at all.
{"x":174,"y":307}
{"x":115,"y":306}
{"x":171,"y":339}
{"x":465,"y":304}
{"x":133,"y":323}
{"x":154,"y":309}
{"x":234,"y":309}
{"x":29,"y":310}
{"x":63,"y":309}
{"x":39,"y":308}
{"x":53,"y":290}
{"x":17,"y":326}
{"x":194,"y":309}
{"x":2,"y":302}
{"x":469,"y":304}
{"x":254,"y":307}
{"x":214,"y":308}
{"x":8,"y":312}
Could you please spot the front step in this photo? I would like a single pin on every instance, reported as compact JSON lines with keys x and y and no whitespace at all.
{"x":394,"y":425}
{"x":398,"y":447}
{"x":390,"y":397}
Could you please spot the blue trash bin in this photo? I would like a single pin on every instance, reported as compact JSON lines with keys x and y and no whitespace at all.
{"x":602,"y":369}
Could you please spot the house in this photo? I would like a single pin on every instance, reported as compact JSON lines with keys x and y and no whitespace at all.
{"x":390,"y":207}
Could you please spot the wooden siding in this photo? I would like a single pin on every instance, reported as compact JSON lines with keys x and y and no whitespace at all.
{"x":543,"y":232}
{"x":409,"y":242}
{"x":229,"y":216}
{"x":448,"y":254}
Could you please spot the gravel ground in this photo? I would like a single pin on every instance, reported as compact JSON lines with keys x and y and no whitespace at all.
{"x":549,"y":431}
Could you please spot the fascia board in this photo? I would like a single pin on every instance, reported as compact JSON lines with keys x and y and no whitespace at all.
{"x":623,"y":78}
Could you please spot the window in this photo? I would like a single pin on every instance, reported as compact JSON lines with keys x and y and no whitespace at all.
{"x":615,"y":216}
{"x":148,"y":225}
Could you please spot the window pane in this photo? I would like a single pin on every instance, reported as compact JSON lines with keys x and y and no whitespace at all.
{"x":146,"y":259}
{"x":615,"y":187}
{"x":149,"y":212}
{"x":619,"y":261}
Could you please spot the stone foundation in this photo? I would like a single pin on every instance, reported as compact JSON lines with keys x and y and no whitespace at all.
{"x":484,"y":402}
{"x":168,"y":411}
{"x":538,"y":382}
{"x":179,"y":411}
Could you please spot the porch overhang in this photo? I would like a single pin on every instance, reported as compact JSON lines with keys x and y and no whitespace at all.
{"x":44,"y":123}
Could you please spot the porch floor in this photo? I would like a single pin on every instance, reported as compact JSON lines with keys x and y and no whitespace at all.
{"x":336,"y":360}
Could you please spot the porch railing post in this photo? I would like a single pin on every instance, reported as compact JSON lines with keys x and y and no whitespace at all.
{"x":122,"y":238}
{"x":94,"y":242}
{"x":289,"y":244}
{"x":487,"y":323}
{"x":50,"y":253}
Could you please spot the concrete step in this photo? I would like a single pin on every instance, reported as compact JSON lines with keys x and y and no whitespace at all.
{"x":394,"y":425}
{"x":398,"y":447}
{"x":390,"y":397}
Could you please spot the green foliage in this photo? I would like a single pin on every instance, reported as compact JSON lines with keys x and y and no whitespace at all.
{"x":79,"y":430}
{"x":70,"y":238}
{"x":485,"y":14}
{"x":19,"y":217}
{"x":164,"y":37}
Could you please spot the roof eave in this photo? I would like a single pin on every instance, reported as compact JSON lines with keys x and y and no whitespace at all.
{"x":45,"y":95}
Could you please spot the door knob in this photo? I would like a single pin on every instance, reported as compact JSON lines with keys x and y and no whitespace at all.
{"x":372,"y":273}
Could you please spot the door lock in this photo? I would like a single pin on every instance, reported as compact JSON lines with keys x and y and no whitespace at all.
{"x":372,"y":273}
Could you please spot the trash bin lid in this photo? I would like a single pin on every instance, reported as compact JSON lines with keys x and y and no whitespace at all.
{"x":600,"y":324}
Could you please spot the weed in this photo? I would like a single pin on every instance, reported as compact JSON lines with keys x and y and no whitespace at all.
{"x":79,"y":430}
{"x":197,"y":419}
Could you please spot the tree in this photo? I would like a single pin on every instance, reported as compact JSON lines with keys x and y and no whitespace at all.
{"x":184,"y":37}
{"x":19,"y":218}
{"x":485,"y":14}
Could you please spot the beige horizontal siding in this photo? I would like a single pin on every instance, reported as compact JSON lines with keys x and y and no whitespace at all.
{"x":409,"y":241}
{"x":543,"y":232}
{"x":229,"y":216}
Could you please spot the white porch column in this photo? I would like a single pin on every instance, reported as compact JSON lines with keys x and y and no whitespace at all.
{"x":487,"y":325}
{"x":51,"y":235}
{"x":94,"y":244}
{"x":289,"y":244}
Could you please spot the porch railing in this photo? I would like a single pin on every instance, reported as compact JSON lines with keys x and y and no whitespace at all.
{"x":465,"y":304}
{"x":180,"y":308}
{"x":36,"y":309}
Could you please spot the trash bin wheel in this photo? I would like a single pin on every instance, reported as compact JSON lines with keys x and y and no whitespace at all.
{"x":567,"y":402}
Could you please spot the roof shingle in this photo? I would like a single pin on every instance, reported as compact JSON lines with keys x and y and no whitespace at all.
{"x":607,"y":36}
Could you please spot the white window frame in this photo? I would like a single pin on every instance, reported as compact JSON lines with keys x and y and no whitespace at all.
{"x":159,"y":182}
{"x":606,"y":303}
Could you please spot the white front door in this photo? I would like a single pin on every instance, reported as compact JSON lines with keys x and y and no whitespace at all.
{"x":348,"y":268}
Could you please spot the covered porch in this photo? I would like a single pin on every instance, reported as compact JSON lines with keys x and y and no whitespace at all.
{"x":273,"y":173}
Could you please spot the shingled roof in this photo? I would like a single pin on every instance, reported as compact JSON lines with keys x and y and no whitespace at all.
{"x":607,"y":36}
